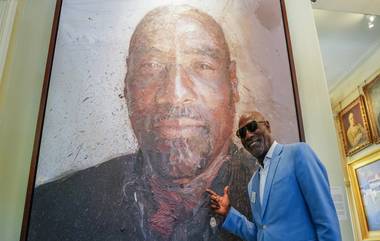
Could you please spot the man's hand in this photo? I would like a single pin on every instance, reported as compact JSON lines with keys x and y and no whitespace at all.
{"x":220,"y":204}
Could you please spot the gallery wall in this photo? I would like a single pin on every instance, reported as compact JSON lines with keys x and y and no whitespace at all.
{"x":350,"y":88}
{"x":22,"y":82}
{"x":20,"y":91}
{"x":347,"y":90}
{"x":315,"y":104}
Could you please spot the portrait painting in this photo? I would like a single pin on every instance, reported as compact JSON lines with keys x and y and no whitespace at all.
{"x":372,"y":97}
{"x":139,"y":114}
{"x":354,"y":126}
{"x":365,"y":175}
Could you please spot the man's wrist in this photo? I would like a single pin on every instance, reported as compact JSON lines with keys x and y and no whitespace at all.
{"x":228,"y":209}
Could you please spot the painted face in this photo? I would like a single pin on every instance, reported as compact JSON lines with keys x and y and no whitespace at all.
{"x":259,"y":141}
{"x":180,"y":87}
{"x":351,"y":119}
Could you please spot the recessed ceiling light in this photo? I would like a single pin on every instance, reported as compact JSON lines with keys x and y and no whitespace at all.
{"x":371,"y":21}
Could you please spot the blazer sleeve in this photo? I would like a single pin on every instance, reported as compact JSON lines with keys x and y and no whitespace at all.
{"x":313,"y":181}
{"x":238,"y":224}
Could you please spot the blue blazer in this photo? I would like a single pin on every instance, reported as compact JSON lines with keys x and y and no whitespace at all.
{"x":297,"y":203}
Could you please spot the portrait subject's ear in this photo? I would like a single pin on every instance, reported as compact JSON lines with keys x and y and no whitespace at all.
{"x":267,"y":124}
{"x":234,"y":81}
{"x":125,"y":91}
{"x":126,"y":62}
{"x":126,"y":73}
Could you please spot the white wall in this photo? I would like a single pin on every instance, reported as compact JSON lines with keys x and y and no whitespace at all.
{"x":20,"y":91}
{"x":351,"y":87}
{"x":315,"y":104}
{"x":344,"y":93}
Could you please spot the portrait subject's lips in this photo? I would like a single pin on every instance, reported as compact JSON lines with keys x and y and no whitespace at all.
{"x":179,"y":127}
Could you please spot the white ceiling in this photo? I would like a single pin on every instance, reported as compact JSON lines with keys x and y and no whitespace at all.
{"x":345,"y":39}
{"x":352,"y":6}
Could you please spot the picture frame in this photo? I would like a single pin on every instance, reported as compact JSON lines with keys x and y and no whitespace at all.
{"x":364,"y":177}
{"x":372,"y":94}
{"x":70,"y":130}
{"x":355,"y":133}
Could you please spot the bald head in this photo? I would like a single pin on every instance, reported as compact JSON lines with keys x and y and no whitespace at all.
{"x":250,"y":116}
{"x":169,"y":19}
{"x":256,"y":141}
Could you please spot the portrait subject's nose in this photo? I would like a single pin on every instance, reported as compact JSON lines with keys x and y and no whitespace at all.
{"x":177,"y":88}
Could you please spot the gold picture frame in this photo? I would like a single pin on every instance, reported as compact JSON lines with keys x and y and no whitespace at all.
{"x":364,"y":175}
{"x":355,"y":132}
{"x":372,"y":99}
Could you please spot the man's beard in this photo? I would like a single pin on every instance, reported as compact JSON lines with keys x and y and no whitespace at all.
{"x":257,"y":149}
{"x":185,"y":157}
{"x":181,"y":156}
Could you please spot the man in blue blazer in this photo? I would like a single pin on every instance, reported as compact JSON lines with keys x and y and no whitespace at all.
{"x":289,"y":193}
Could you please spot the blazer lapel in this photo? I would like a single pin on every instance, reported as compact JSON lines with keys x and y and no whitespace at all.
{"x":272,"y":171}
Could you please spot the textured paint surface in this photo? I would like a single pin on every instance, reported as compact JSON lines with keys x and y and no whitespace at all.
{"x":86,"y":116}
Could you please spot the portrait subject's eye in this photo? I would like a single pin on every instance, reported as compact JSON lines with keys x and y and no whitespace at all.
{"x":204,"y":66}
{"x":153,"y":66}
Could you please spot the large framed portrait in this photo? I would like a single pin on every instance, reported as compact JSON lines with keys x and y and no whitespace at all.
{"x":372,"y":97}
{"x":355,"y":132}
{"x":139,"y":112}
{"x":365,"y":179}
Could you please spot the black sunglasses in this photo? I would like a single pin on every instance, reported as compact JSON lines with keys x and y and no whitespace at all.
{"x":251,"y":127}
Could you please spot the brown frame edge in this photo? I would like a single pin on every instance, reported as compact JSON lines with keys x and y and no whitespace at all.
{"x":292,"y":72}
{"x":40,"y":122}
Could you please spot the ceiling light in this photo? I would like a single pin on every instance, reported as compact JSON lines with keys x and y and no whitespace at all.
{"x":371,"y":21}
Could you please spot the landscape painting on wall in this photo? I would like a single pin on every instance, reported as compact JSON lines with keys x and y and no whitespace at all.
{"x":365,"y":178}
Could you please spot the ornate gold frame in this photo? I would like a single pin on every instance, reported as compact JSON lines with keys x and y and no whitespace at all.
{"x":375,"y":129}
{"x":358,"y":202}
{"x":363,"y":113}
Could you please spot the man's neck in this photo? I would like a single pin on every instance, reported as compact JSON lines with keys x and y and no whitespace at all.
{"x":261,"y":159}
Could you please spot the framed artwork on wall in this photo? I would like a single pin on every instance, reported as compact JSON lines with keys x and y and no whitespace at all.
{"x":138,"y":114}
{"x":355,"y":132}
{"x":365,"y":180}
{"x":372,"y":97}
